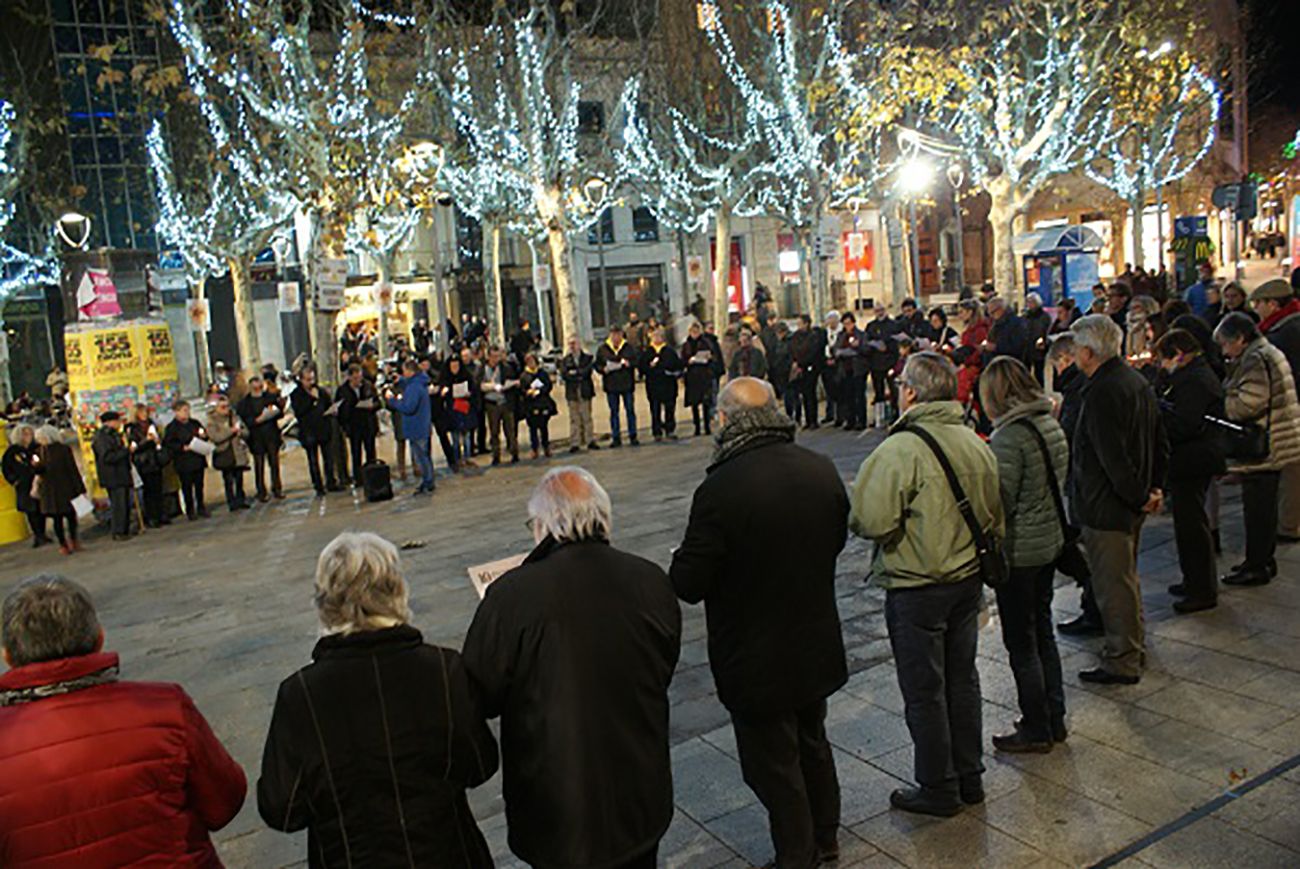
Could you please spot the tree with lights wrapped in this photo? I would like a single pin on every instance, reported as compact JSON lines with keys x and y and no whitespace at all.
{"x":18,"y":268}
{"x":335,"y":132}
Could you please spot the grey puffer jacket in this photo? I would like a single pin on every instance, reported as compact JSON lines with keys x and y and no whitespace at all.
{"x":1034,"y":535}
{"x":1247,"y":398}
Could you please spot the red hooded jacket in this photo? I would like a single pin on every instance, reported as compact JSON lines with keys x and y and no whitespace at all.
{"x":117,"y":774}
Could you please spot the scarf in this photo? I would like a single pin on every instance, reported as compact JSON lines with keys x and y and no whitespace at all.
{"x":1292,"y":306}
{"x":106,"y":676}
{"x":752,"y":427}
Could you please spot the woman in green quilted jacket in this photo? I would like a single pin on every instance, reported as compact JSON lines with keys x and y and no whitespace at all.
{"x":1025,"y":438}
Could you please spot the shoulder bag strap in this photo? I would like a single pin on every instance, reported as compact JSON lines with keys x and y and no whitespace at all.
{"x":963,"y":503}
{"x":1052,"y":482}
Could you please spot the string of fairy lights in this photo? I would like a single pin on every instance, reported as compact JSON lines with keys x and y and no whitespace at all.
{"x":18,"y":268}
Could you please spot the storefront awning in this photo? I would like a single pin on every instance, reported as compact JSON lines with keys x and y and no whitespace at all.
{"x":1058,"y":239}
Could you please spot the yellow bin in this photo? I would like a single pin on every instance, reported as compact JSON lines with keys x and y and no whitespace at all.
{"x":13,"y":525}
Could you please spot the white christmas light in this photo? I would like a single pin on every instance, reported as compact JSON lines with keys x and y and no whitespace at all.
{"x":18,"y":268}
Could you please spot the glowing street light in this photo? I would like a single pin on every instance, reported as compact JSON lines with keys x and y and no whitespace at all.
{"x":74,"y":229}
{"x":915,"y":175}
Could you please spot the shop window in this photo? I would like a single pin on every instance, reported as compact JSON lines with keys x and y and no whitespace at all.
{"x":606,"y":223}
{"x":591,"y":117}
{"x":645,"y":226}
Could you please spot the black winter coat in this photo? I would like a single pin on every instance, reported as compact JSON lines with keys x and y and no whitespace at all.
{"x":177,"y":436}
{"x":371,"y":748}
{"x":1120,"y":451}
{"x":540,"y":405}
{"x":1010,"y":337}
{"x":149,"y":457}
{"x":850,"y":353}
{"x":577,"y":375}
{"x":752,"y":593}
{"x":61,"y":479}
{"x":19,"y":473}
{"x":263,"y":437}
{"x":1285,"y":336}
{"x":313,"y":424}
{"x":882,"y":341}
{"x":1037,"y":326}
{"x":357,"y":421}
{"x":112,"y":458}
{"x":617,"y":379}
{"x":1187,"y":396}
{"x":661,"y":369}
{"x":574,"y":650}
{"x":807,"y":352}
{"x":1070,"y":383}
{"x":700,"y":375}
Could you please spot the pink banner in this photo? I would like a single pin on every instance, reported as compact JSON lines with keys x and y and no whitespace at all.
{"x":97,"y":295}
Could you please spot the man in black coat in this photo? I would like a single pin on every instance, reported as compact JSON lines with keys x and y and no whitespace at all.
{"x":616,"y":361}
{"x":755,"y":595}
{"x":574,"y":650}
{"x":261,"y":410}
{"x":313,"y":408}
{"x":1117,"y":473}
{"x":1279,"y":313}
{"x":662,"y":368}
{"x":576,"y":369}
{"x":359,"y":416}
{"x":807,"y":357}
{"x":1008,"y":334}
{"x":851,"y":352}
{"x":113,"y":464}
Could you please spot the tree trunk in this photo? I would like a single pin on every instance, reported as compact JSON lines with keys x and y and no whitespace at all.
{"x":893,"y":214}
{"x":384,"y":264}
{"x":684,"y":273}
{"x":806,"y":272}
{"x":201,"y":342}
{"x":241,"y":284}
{"x":492,"y":280}
{"x":440,"y":310}
{"x":325,"y":341}
{"x":1002,"y":215}
{"x":566,"y":298}
{"x":721,"y":266}
{"x":543,"y":316}
{"x":1135,"y":212}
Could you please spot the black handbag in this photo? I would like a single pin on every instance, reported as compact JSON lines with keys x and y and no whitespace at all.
{"x":994,"y":570}
{"x":1071,"y":560}
{"x":1248,"y":442}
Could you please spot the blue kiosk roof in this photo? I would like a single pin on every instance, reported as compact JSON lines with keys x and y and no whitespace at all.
{"x":1058,"y":239}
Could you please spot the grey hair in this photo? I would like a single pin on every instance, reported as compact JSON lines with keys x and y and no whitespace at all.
{"x":569,"y":505}
{"x":732,"y":401}
{"x":1062,"y":345}
{"x":48,"y":617}
{"x":359,"y":584}
{"x":1100,"y":334}
{"x":931,"y":376}
{"x":24,"y":426}
{"x":1033,"y":297}
{"x":997,"y":303}
{"x":1148,"y":305}
{"x":48,"y":434}
{"x":1236,"y":325}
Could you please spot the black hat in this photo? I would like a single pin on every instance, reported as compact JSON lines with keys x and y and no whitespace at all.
{"x":109,"y":416}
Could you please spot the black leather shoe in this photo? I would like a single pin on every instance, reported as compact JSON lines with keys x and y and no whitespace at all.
{"x":1241,"y":568}
{"x":1254,"y":576}
{"x":1059,"y":731}
{"x":1102,"y":676}
{"x":923,"y":802}
{"x":972,"y":790}
{"x":1287,"y":538}
{"x":828,"y":855}
{"x":1017,"y":743}
{"x":1178,"y":589}
{"x":1081,"y":627}
{"x":1187,"y":605}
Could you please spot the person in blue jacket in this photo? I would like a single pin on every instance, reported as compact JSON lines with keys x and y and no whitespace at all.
{"x":412,"y":402}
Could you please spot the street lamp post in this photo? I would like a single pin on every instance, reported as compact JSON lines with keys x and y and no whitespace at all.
{"x":955,"y":177}
{"x":595,"y":191}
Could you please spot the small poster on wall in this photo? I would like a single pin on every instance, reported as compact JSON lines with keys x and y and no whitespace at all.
{"x":331,"y":285}
{"x":383,"y":296}
{"x":200,"y":315}
{"x":695,"y":268}
{"x":288,"y":296}
{"x":97,"y":295}
{"x":542,"y":277}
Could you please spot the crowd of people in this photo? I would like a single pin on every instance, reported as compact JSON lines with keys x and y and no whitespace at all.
{"x":372,"y":746}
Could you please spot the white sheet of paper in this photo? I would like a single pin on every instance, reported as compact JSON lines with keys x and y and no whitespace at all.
{"x":483,"y":575}
{"x":460,"y":390}
{"x":536,"y":384}
{"x":202,"y":447}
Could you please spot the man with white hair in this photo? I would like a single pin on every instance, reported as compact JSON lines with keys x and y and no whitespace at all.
{"x":574,"y":651}
{"x":775,"y":645}
{"x":1117,"y":467}
{"x":1008,"y":335}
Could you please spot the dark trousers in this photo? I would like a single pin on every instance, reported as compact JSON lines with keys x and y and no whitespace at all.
{"x":71,"y":521}
{"x":444,"y":441}
{"x":1193,"y":538}
{"x":698,"y":411}
{"x":539,"y":432}
{"x":498,"y":416}
{"x":339,"y":447}
{"x":793,"y":402}
{"x":119,"y":505}
{"x":315,"y":452}
{"x":853,"y":400}
{"x":192,"y":492}
{"x":787,"y":762}
{"x":233,"y":481}
{"x":831,"y":383}
{"x":36,"y":519}
{"x":648,"y":860}
{"x":260,"y":463}
{"x":361,"y":443}
{"x":663,"y":415}
{"x":153,"y":497}
{"x":1025,"y":610}
{"x":628,"y":400}
{"x":879,"y":386}
{"x":806,"y":387}
{"x":933,"y":631}
{"x":1259,"y":493}
{"x":480,"y":434}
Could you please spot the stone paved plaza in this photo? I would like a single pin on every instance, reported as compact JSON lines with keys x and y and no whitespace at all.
{"x":224,"y":607}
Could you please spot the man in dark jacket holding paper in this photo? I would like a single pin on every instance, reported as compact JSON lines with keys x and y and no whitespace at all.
{"x":261,"y":410}
{"x":616,"y":361}
{"x":776,"y":692}
{"x":574,"y":650}
{"x":113,"y":464}
{"x":359,"y":416}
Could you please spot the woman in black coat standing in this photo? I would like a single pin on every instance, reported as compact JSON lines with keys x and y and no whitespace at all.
{"x":19,"y":472}
{"x":60,"y":484}
{"x":661,"y":367}
{"x":179,"y":439}
{"x":372,"y":745}
{"x":149,"y":458}
{"x":1190,"y":391}
{"x":703,"y":367}
{"x":537,"y":405}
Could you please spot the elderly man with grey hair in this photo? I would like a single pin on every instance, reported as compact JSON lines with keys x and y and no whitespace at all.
{"x":1008,"y":334}
{"x":94,"y":770}
{"x":927,"y":560}
{"x":574,"y":650}
{"x":763,"y":488}
{"x":1118,"y":455}
{"x":373,"y":744}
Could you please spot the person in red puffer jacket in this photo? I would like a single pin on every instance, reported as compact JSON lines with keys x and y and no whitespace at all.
{"x":95,"y":771}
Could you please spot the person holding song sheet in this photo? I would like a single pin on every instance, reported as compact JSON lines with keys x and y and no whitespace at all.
{"x":261,"y":410}
{"x":113,"y":465}
{"x":187,"y":441}
{"x":313,"y":408}
{"x":616,"y":362}
{"x":538,"y":406}
{"x":411,"y":400}
{"x":359,"y":417}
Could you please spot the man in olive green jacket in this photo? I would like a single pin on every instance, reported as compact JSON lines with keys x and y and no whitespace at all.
{"x":926,"y":560}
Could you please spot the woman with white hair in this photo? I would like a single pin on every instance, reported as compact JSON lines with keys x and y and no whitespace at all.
{"x":372,"y":745}
{"x":20,"y":472}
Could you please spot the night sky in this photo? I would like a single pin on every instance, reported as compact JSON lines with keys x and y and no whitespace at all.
{"x":1274,"y":65}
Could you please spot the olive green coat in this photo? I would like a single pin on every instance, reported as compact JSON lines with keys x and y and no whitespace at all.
{"x":901,"y":500}
{"x":1034,"y":535}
